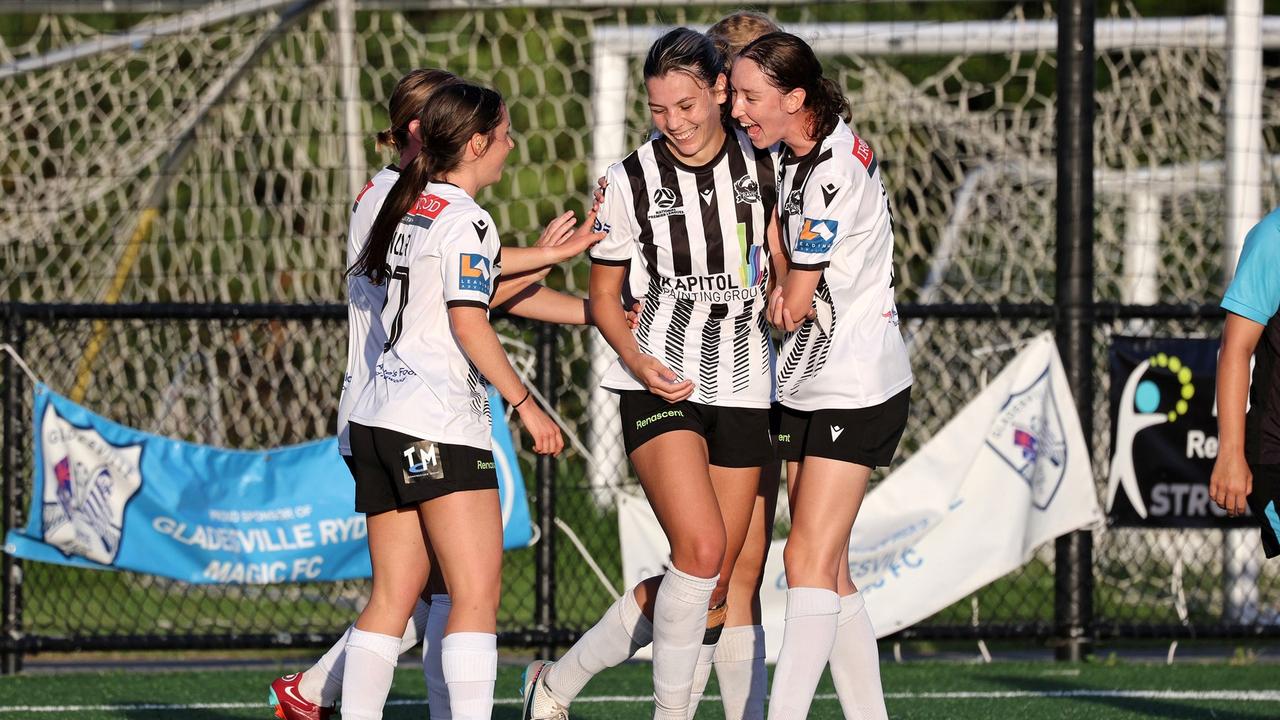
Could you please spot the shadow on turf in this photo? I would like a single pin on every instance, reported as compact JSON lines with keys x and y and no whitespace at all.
{"x":1176,"y":710}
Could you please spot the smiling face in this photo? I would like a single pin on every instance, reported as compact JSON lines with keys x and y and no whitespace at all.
{"x":765,"y":112}
{"x":687,"y":113}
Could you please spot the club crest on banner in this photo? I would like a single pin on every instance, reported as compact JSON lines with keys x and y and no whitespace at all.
{"x":89,"y":483}
{"x":1028,"y":435}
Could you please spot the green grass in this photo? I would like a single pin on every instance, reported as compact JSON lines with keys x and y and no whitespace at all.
{"x":914,"y":690}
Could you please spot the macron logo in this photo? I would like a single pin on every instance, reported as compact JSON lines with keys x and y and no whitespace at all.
{"x":836,"y":432}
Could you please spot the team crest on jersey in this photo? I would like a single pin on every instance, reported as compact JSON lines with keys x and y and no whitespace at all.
{"x":817,"y":236}
{"x":473,"y":273}
{"x":1028,"y":435}
{"x":792,"y":204}
{"x":88,"y":484}
{"x":746,"y":190}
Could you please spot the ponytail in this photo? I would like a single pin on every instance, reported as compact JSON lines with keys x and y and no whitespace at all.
{"x":372,"y":261}
{"x":457,"y":112}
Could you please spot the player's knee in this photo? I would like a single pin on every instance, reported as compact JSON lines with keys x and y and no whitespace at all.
{"x":805,"y":560}
{"x":701,"y":556}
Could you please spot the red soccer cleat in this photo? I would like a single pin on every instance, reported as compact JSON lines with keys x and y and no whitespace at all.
{"x":289,"y":703}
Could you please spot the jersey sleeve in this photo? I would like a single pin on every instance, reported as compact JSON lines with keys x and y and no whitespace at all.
{"x":614,"y":218}
{"x":1254,"y":293}
{"x":470,"y":258}
{"x":833,"y":212}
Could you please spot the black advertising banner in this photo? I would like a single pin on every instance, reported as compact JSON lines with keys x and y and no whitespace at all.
{"x":1164,"y":434}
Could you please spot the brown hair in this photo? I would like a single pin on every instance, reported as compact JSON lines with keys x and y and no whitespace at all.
{"x":737,"y":30}
{"x":407,"y":101}
{"x":457,"y":112}
{"x":687,"y":51}
{"x":789,"y":63}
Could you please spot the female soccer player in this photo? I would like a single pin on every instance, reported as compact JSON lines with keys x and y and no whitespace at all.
{"x":843,"y":377}
{"x":695,"y":379}
{"x":311,"y":695}
{"x":420,"y":429}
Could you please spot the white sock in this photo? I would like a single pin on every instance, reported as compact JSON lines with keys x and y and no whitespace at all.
{"x":702,"y":672}
{"x":322,"y":682}
{"x":807,"y":638}
{"x":432,"y":636}
{"x":855,"y":663}
{"x":417,"y":627}
{"x":620,"y":632}
{"x":679,"y":621}
{"x":367,"y":675}
{"x":470,"y":664}
{"x":741,"y":672}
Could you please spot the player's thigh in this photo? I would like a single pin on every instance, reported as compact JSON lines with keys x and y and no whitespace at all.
{"x":736,"y":491}
{"x":826,"y":496}
{"x":675,"y":476}
{"x":748,"y":569}
{"x":398,"y":557}
{"x":465,"y":529}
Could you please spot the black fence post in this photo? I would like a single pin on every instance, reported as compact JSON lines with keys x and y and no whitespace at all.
{"x":1073,"y":564}
{"x":11,"y":567}
{"x":545,"y":560}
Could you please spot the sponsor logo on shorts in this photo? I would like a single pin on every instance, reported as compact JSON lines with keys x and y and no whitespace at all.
{"x":784,"y":437}
{"x":422,"y":460}
{"x":660,"y":415}
{"x":473,"y":273}
{"x":482,"y":465}
{"x":817,"y":236}
{"x":836,"y":432}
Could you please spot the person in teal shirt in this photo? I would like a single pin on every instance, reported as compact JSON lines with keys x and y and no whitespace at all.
{"x":1247,"y":470}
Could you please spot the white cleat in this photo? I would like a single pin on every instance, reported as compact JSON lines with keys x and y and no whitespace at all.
{"x":538,"y":703}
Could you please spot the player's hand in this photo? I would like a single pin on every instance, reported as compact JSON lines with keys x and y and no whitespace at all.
{"x":633,"y":315}
{"x":598,"y":196}
{"x":557,"y":231}
{"x":1230,"y":483}
{"x":543,"y":430}
{"x":780,"y":317}
{"x":581,"y":238}
{"x":659,"y":379}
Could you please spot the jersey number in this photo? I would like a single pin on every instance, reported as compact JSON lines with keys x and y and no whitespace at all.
{"x":400,"y":273}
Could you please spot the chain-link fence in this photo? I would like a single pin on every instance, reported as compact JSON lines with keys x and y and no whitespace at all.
{"x":172,"y":151}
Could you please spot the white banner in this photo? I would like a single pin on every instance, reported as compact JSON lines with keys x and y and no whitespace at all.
{"x":1007,"y":474}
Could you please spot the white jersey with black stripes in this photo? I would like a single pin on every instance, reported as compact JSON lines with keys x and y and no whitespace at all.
{"x":835,"y":217}
{"x":445,"y":253}
{"x":364,"y":301}
{"x":697,"y":236}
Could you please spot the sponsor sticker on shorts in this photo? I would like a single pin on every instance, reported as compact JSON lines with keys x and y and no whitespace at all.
{"x":422,"y":461}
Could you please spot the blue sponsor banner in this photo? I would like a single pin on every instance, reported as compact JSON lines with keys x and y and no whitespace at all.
{"x":107,"y":496}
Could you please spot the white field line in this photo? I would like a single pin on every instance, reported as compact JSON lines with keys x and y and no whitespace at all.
{"x":1220,"y":695}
